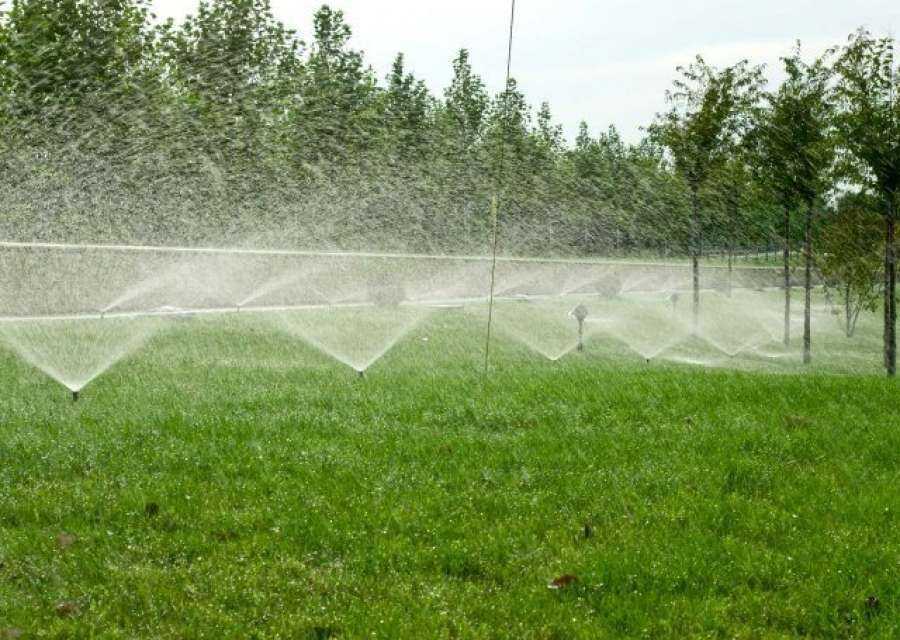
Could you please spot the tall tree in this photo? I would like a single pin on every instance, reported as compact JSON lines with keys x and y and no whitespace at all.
{"x":406,"y":112}
{"x":466,"y":103}
{"x":868,"y":120}
{"x":731,"y":187}
{"x":57,"y":54}
{"x":234,"y":67}
{"x":337,"y":113}
{"x":708,"y":114}
{"x":799,"y":139}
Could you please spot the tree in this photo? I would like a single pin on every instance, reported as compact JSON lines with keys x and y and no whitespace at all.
{"x":850,"y":255}
{"x":466,"y":103}
{"x":336,"y":113}
{"x":406,"y":112}
{"x":731,"y":187}
{"x":708,"y":114}
{"x":799,"y":142}
{"x":56,"y":54}
{"x":868,"y":123}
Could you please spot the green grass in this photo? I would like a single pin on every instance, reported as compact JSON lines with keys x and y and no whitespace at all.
{"x":229,"y":482}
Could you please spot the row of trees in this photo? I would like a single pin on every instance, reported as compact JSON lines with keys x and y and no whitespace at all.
{"x":228,"y":127}
{"x":825,"y":143}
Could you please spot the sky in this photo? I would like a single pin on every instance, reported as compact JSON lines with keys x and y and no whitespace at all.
{"x":608,"y":62}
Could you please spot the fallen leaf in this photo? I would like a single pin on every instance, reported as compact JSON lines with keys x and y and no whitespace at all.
{"x":67,"y":608}
{"x":65,"y":540}
{"x":562,"y":582}
{"x":798,"y":422}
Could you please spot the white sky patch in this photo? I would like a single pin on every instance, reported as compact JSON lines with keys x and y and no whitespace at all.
{"x":607,"y":62}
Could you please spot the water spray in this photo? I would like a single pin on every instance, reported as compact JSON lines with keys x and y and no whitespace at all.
{"x":580,"y":313}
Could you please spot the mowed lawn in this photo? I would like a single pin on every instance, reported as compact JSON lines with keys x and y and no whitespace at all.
{"x":229,"y":482}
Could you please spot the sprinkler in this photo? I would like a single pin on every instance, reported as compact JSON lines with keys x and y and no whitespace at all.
{"x":75,"y":395}
{"x":674,"y":300}
{"x":580,"y":313}
{"x":361,"y":373}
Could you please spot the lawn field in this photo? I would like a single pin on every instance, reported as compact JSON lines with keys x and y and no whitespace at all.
{"x":229,"y":481}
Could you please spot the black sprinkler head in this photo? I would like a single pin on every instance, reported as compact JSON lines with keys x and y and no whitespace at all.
{"x":75,"y":395}
{"x":361,"y":373}
{"x":580,"y":313}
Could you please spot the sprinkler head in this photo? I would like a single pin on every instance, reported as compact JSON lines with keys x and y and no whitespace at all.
{"x":580,"y":313}
{"x":75,"y":395}
{"x":361,"y":373}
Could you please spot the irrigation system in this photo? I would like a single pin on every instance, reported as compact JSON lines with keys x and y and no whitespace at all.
{"x":300,"y":253}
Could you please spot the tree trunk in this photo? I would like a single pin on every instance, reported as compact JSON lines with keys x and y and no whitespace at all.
{"x":787,"y":277}
{"x":695,"y":253}
{"x":807,"y":286}
{"x":730,"y":268}
{"x":847,"y":313}
{"x":890,"y":290}
{"x":735,"y":212}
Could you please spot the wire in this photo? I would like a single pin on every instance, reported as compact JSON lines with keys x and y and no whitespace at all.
{"x":495,"y":201}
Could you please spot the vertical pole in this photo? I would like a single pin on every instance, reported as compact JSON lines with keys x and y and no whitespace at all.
{"x":695,"y":254}
{"x":581,"y":335}
{"x":807,"y":286}
{"x":495,"y":200}
{"x":890,"y":290}
{"x":490,"y":323}
{"x":787,"y":277}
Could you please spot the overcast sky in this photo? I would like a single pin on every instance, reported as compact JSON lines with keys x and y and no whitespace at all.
{"x":604,"y":61}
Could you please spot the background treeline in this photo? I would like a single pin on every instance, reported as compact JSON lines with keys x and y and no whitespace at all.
{"x":228,"y":127}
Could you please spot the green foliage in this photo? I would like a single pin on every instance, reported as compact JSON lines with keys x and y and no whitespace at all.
{"x":850,"y":250}
{"x":868,"y":120}
{"x":709,"y":113}
{"x":228,"y":123}
{"x":794,"y":134}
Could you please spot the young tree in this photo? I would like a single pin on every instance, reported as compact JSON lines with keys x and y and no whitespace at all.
{"x":708,"y":114}
{"x":466,"y":104}
{"x":850,"y":256}
{"x":57,"y":54}
{"x":731,"y":188}
{"x":799,"y":141}
{"x":235,"y":68}
{"x":406,"y":106}
{"x":868,"y":120}
{"x":337,"y":112}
